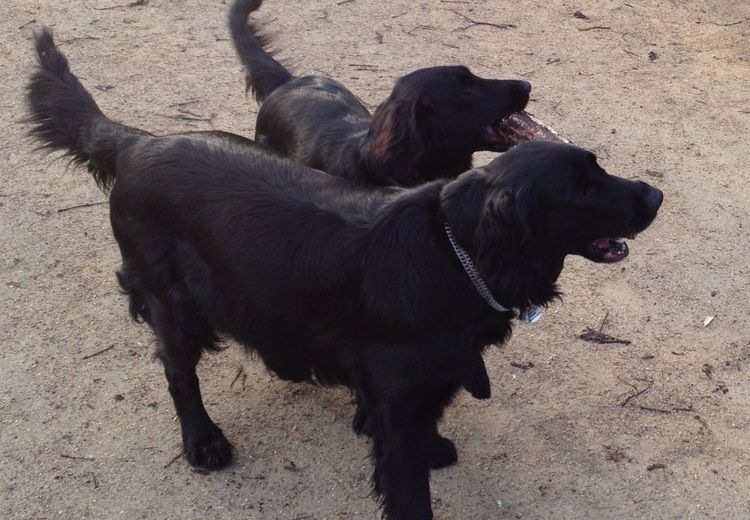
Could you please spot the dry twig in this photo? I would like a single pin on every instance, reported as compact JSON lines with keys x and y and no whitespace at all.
{"x":688,"y":408}
{"x":597,"y":336}
{"x":522,"y":366}
{"x":73,"y":457}
{"x":636,"y":392}
{"x":173,"y":459}
{"x":136,"y":3}
{"x":87,"y":205}
{"x":475,"y":23}
{"x":98,"y":352}
{"x":729,"y":24}
{"x":239,"y":373}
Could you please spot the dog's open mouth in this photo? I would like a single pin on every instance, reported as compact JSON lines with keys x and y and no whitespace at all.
{"x":519,"y":126}
{"x":608,"y":250}
{"x":497,"y":136}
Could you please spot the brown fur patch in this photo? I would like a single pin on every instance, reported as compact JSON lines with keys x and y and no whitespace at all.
{"x":385,"y":137}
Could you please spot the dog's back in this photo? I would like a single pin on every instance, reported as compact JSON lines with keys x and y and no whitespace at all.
{"x":236,"y":192}
{"x":315,"y":121}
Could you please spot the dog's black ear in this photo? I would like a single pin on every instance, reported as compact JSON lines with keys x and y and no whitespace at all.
{"x":506,"y":217}
{"x":483,"y":213}
{"x":395,"y":143}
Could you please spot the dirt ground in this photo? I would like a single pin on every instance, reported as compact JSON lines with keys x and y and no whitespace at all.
{"x":657,"y":428}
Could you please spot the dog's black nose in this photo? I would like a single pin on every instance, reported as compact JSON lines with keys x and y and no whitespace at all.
{"x":653,"y":198}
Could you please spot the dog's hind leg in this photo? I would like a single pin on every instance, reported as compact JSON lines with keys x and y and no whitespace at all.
{"x":133,"y":286}
{"x":183,"y":335}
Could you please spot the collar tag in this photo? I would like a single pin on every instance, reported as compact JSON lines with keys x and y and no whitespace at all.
{"x":531,"y":314}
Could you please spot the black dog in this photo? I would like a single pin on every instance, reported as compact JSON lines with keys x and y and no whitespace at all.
{"x":330,"y":280}
{"x":433,"y":121}
{"x":428,"y":128}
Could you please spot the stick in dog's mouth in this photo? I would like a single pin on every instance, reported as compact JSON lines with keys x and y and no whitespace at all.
{"x":522,"y":126}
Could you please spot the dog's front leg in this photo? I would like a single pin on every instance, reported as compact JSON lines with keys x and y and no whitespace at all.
{"x":402,"y":446}
{"x":476,"y":381}
{"x":442,"y":453}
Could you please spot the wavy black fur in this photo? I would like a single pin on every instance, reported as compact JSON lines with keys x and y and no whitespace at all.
{"x":428,"y":127}
{"x":329,"y":280}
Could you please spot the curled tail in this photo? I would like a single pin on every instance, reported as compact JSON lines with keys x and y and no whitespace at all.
{"x":263,"y":73}
{"x":65,"y":116}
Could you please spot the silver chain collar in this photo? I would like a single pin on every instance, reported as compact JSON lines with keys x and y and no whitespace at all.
{"x":476,"y":279}
{"x":530,"y":314}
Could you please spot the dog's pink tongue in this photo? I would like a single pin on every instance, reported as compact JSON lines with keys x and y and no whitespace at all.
{"x":522,"y":126}
{"x":613,"y":250}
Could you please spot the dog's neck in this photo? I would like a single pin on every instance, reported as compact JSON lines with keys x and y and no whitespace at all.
{"x":412,"y":274}
{"x":526,"y":276}
{"x":471,"y":271}
{"x":412,"y":171}
{"x":436,"y":164}
{"x":517,"y":273}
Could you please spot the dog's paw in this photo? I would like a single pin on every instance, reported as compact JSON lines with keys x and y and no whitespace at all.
{"x":477,"y":382}
{"x":208,"y":450}
{"x":443,"y":454}
{"x":479,"y":389}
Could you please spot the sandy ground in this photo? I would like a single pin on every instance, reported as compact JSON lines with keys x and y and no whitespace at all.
{"x":658,"y":428}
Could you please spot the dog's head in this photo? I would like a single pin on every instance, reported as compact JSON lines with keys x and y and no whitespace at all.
{"x":443,"y":114}
{"x":547,"y":199}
